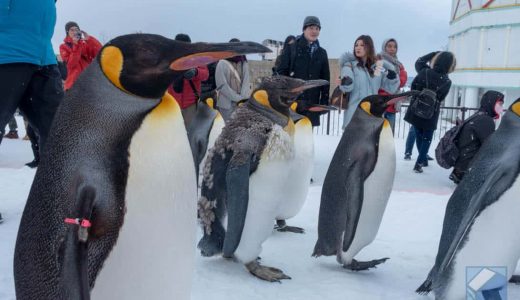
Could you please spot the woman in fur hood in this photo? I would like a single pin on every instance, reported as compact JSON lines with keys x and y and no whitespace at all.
{"x":389,"y":53}
{"x":363,"y":74}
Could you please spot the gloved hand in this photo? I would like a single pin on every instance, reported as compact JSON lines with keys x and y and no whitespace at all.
{"x":190,"y":73}
{"x":391,"y":74}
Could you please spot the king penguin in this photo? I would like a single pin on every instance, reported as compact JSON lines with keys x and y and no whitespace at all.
{"x":203,"y":130}
{"x":297,"y":185}
{"x":481,"y":222}
{"x":112,"y":209}
{"x":358,"y":184}
{"x":246,"y":172}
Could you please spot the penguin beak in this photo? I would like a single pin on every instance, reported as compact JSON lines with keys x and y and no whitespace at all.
{"x":199,"y":54}
{"x":321,"y":108}
{"x":309,"y":85}
{"x":393,"y":99}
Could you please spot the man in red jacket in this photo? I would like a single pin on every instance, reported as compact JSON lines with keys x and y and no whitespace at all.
{"x":77,"y":51}
{"x":186,"y":89}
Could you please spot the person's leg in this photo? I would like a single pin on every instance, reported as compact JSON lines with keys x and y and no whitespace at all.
{"x":46,"y":94}
{"x":14,"y":79}
{"x":425,"y":137}
{"x":391,"y":119}
{"x":34,"y":146}
{"x":410,"y":141}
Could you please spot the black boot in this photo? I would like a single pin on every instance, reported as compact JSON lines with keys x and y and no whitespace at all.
{"x":417,"y":168}
{"x":36,"y":151}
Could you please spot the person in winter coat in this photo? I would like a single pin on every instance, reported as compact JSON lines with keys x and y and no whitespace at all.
{"x":475,"y":131}
{"x":77,"y":51}
{"x":389,"y":53}
{"x":187,"y":88}
{"x":363,"y":74}
{"x":26,"y":56}
{"x":307,"y":60}
{"x":232,"y":78}
{"x":289,"y":40}
{"x":432,"y":73}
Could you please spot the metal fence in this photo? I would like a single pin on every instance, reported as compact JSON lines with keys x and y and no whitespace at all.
{"x":332,"y":122}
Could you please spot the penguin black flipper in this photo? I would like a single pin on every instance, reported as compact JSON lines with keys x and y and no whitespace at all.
{"x":237,"y":182}
{"x":497,"y":157}
{"x":75,"y":246}
{"x":342,"y":194}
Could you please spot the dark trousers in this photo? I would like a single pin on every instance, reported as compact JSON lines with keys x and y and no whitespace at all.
{"x":410,"y":141}
{"x":37,"y":91}
{"x":424,"y":140}
{"x":13,"y":126}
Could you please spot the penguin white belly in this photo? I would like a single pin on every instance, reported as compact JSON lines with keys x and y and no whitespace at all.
{"x":377,"y":189}
{"x":266,"y":185}
{"x":153,"y":257}
{"x":493,"y":240}
{"x":216,"y":129}
{"x":295,"y":191}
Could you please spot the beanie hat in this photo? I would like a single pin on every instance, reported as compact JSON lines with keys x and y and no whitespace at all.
{"x":69,"y":25}
{"x":181,"y":37}
{"x":311,"y":20}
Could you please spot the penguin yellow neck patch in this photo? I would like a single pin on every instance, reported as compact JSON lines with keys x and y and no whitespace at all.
{"x":290,"y":127}
{"x":386,"y":123}
{"x":112,"y":65}
{"x":166,"y":108}
{"x":210,"y":102}
{"x":366,"y":107}
{"x":262,"y":98}
{"x":516,"y":108}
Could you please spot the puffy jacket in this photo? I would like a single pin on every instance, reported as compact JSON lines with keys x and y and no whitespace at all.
{"x":434,"y":78}
{"x":363,"y":84}
{"x":187,"y":97}
{"x":78,"y":56}
{"x":26,"y":29}
{"x":307,"y":67}
{"x":476,"y":130}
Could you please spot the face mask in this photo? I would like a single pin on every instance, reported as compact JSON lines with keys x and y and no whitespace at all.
{"x":499,"y":108}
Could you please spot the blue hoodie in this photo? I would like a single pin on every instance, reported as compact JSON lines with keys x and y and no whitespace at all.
{"x":26,"y":29}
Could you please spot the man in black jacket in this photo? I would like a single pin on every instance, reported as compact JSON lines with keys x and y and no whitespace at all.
{"x":308,"y":61}
{"x":475,"y":131}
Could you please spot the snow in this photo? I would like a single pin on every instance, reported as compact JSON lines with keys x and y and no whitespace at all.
{"x":409,"y":235}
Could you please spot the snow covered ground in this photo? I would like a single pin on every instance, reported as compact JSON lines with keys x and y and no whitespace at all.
{"x":409,"y":235}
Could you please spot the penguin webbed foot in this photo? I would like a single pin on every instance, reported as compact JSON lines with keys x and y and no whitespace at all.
{"x":281,"y":226}
{"x":266,"y":273}
{"x":210,"y":245}
{"x":364,"y":265}
{"x":515,"y":279}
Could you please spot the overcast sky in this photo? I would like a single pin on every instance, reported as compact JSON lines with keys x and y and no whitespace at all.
{"x":420,"y":26}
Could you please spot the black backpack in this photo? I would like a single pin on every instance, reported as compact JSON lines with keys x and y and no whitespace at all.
{"x":447,"y":151}
{"x":425,"y":103}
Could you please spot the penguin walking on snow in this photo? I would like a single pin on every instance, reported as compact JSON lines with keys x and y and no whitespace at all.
{"x":111,"y":211}
{"x":358,"y":184}
{"x":203,"y":131}
{"x":481,"y":221}
{"x":297,"y":185}
{"x":246,"y":173}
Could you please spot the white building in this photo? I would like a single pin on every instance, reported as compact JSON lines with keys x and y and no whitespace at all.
{"x":485,"y":37}
{"x":276,"y":48}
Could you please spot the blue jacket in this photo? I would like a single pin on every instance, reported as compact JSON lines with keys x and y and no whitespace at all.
{"x":26,"y":29}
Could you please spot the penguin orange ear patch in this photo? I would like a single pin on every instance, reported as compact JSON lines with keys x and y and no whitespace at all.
{"x":112,"y":64}
{"x":210,"y":102}
{"x":516,"y":108}
{"x":199,"y":59}
{"x":366,"y":107}
{"x":294,"y":106}
{"x":262,"y":98}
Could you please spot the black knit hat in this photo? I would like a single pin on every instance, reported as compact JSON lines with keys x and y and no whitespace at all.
{"x":70,"y":25}
{"x":311,"y":20}
{"x":181,"y":37}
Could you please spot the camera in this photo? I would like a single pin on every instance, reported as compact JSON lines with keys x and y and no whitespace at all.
{"x":79,"y":35}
